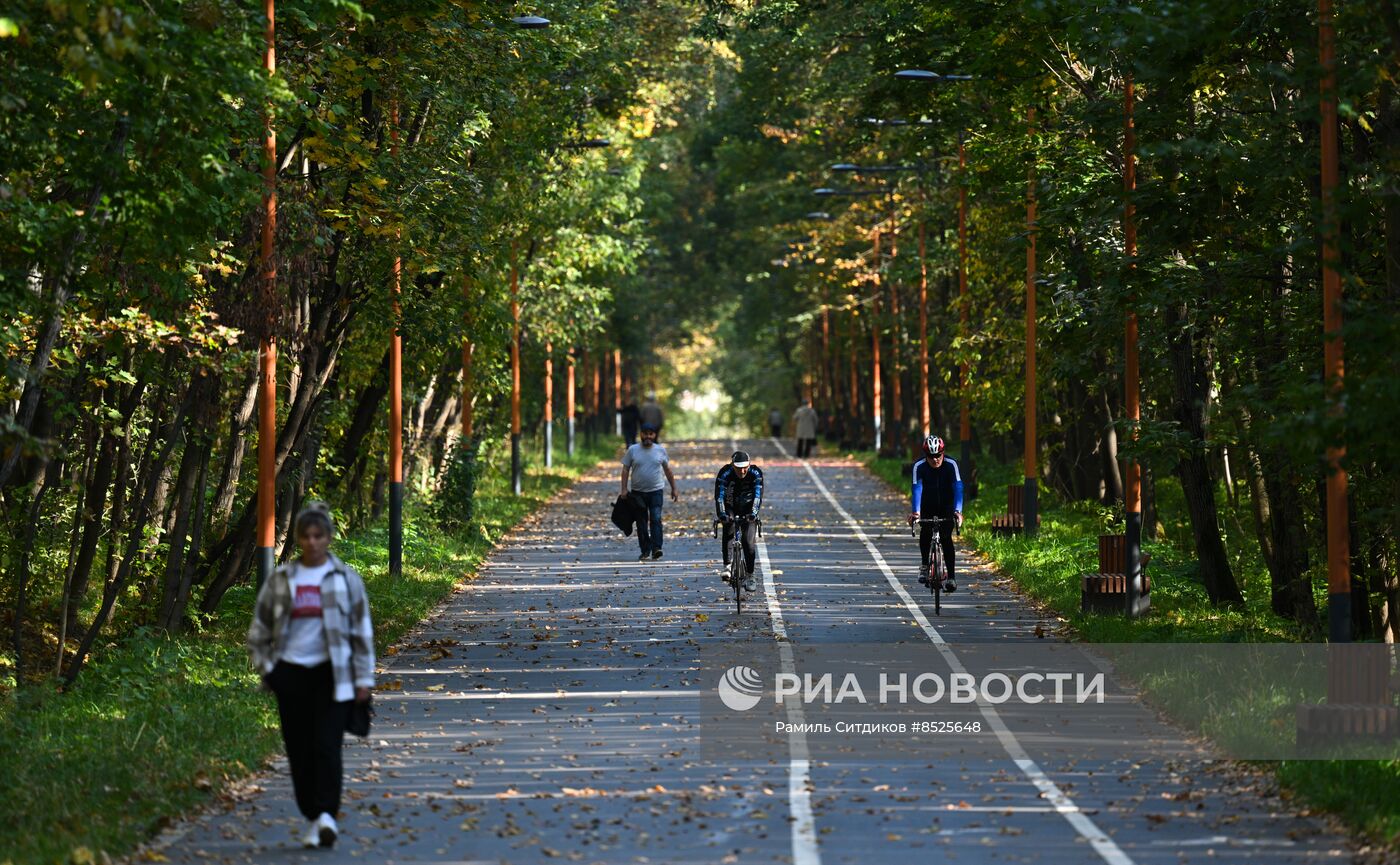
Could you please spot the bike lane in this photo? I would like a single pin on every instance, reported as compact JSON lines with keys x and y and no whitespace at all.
{"x":1025,"y":806}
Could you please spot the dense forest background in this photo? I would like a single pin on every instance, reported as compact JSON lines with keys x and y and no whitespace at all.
{"x":130,"y":211}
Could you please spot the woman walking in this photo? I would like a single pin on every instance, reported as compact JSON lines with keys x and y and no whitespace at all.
{"x":313,"y":643}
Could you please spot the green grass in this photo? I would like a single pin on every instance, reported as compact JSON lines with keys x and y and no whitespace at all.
{"x":1365,"y":793}
{"x":157,"y":725}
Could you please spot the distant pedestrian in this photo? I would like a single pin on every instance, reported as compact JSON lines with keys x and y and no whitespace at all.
{"x":646,"y":470}
{"x":805,"y":420}
{"x":313,"y":642}
{"x":651,"y":414}
{"x":775,"y":423}
{"x":631,"y":420}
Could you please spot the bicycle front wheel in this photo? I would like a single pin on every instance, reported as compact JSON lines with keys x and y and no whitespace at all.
{"x":935,"y":581}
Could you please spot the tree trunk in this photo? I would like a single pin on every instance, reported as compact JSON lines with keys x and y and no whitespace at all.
{"x":95,"y":504}
{"x":239,"y":420}
{"x":189,"y":493}
{"x":363,"y":419}
{"x":1190,"y":390}
{"x":1290,"y":592}
{"x":140,"y":517}
{"x":1262,"y":507}
{"x":1112,"y":474}
{"x":1286,"y":545}
{"x":233,"y":555}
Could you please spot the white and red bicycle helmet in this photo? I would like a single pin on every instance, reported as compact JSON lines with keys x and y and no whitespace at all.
{"x":933,"y":446}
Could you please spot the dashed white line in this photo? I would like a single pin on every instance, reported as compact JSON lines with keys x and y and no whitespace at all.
{"x":804,"y":824}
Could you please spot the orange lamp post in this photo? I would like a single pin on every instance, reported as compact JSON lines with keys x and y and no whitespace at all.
{"x":1029,"y":458}
{"x":1338,"y":538}
{"x":549,"y":404}
{"x":569,"y":399}
{"x":396,"y":395}
{"x":1132,"y":486}
{"x":267,"y":348}
{"x":516,"y":469}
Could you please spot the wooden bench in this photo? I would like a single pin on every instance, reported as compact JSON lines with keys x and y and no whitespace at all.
{"x":1361,"y":697}
{"x":1013,"y":522}
{"x":1105,"y":591}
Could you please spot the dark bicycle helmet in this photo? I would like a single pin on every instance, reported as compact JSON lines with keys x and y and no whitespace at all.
{"x":740,"y":459}
{"x":933,"y":446}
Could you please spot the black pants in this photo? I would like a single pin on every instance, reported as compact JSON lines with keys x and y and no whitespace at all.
{"x":776,"y":429}
{"x":749,"y":539}
{"x":804,"y":447}
{"x":945,"y":539}
{"x":313,"y":725}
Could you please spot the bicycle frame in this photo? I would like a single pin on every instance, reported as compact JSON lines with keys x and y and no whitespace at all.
{"x":736,"y":557}
{"x":938,"y":569}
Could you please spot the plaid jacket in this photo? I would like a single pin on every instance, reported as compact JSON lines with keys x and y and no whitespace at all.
{"x":344,"y":613}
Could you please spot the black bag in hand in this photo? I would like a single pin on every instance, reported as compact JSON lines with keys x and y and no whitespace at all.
{"x":624,"y":513}
{"x":357,"y":719}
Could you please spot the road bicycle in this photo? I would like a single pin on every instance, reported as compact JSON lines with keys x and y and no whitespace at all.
{"x":938,"y":566}
{"x":736,"y":574}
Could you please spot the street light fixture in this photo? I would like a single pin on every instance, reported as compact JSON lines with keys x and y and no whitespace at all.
{"x":927,"y":76}
{"x":872,"y":169}
{"x":897,"y":121}
{"x":587,"y":144}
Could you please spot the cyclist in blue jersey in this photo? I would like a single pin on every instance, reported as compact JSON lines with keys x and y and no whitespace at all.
{"x":739,"y":493}
{"x":937,"y":492}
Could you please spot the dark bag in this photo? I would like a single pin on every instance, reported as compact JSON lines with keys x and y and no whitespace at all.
{"x":624,"y":514}
{"x":357,"y":720}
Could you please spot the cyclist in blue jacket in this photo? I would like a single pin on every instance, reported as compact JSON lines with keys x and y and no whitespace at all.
{"x":937,"y":492}
{"x":739,"y":493}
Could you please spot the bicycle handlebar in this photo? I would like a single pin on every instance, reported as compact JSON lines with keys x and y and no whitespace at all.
{"x":934,"y":521}
{"x":714,"y":529}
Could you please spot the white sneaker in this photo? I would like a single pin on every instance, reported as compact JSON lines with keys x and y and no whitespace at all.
{"x":312,"y":838}
{"x":326,"y":830}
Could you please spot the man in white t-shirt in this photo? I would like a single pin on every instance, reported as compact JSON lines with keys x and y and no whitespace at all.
{"x":646,"y":470}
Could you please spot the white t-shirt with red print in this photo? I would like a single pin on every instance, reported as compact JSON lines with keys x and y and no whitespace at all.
{"x":306,"y":633}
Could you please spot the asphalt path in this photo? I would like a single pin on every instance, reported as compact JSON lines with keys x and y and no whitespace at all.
{"x":551,"y":711}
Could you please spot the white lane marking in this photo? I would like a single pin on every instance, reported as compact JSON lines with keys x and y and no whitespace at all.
{"x":1217,"y":840}
{"x":1105,"y":846}
{"x":804,"y":824}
